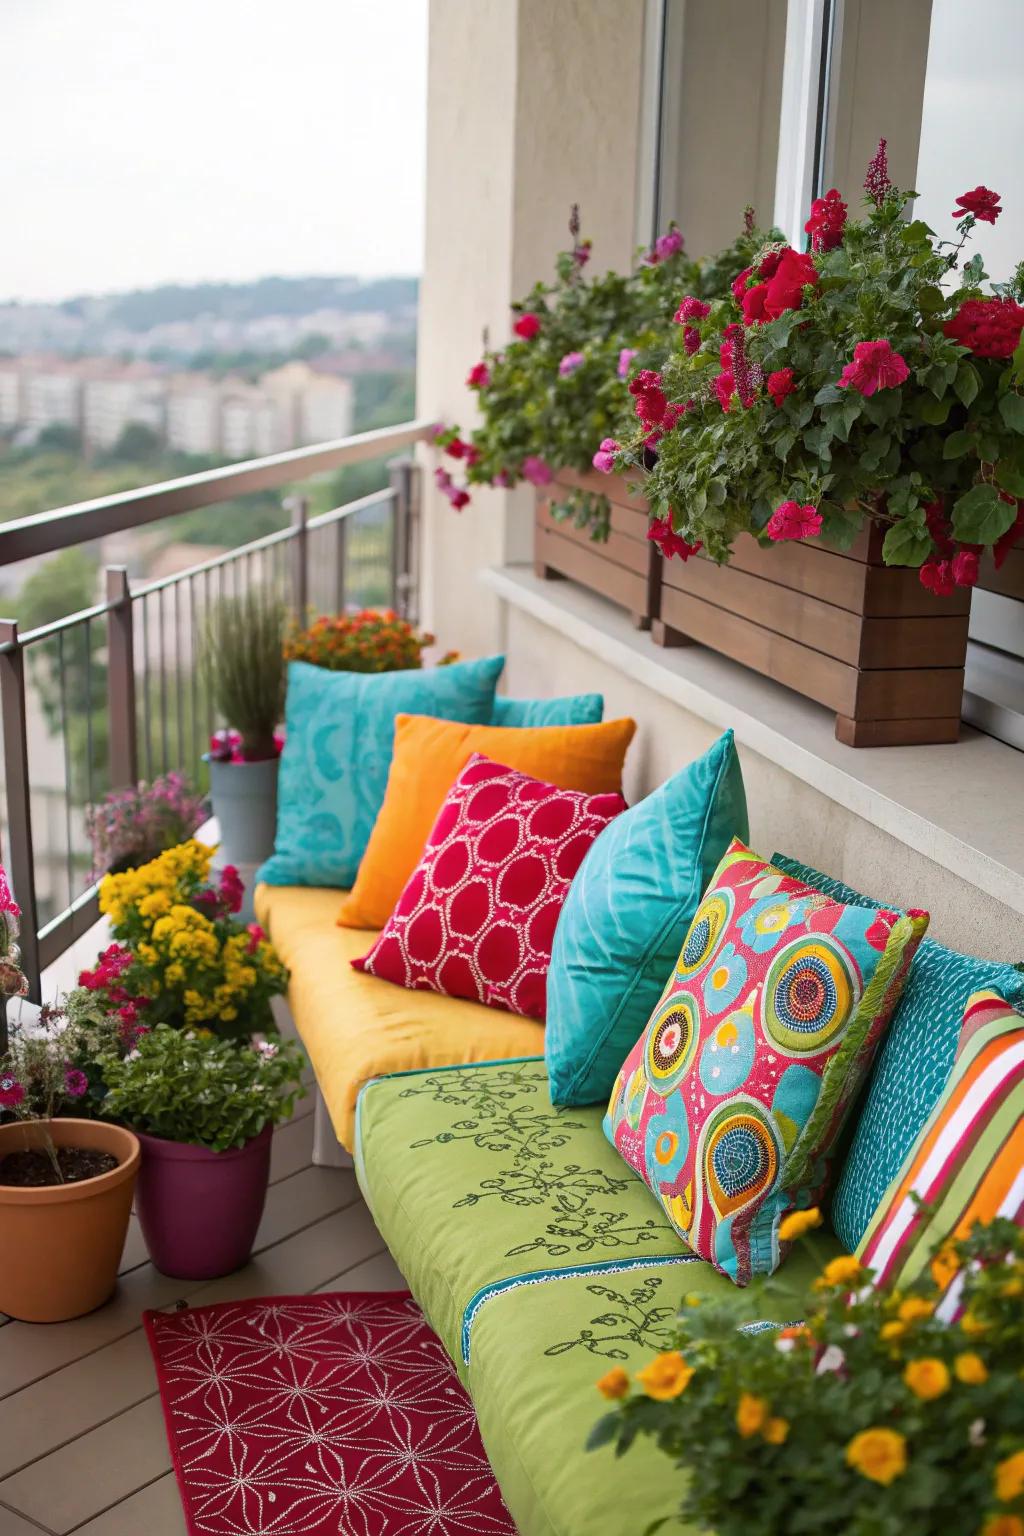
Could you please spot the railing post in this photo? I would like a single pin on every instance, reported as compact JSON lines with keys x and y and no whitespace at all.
{"x":298,"y":507}
{"x":124,"y":746}
{"x":19,"y":803}
{"x":403,"y":475}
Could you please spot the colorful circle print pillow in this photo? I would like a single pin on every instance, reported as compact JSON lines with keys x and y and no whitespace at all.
{"x":478,"y":915}
{"x":731,"y":1100}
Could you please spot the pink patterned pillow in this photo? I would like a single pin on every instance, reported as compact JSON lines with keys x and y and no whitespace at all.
{"x":478,"y":916}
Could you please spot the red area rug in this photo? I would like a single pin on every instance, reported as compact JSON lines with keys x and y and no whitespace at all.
{"x":309,"y":1415}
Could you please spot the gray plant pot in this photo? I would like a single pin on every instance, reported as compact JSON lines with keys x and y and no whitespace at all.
{"x":244,"y":799}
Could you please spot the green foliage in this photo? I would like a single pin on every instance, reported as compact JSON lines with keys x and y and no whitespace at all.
{"x":873,"y":1419}
{"x":137,"y":444}
{"x":927,"y":458}
{"x":189,"y":1086}
{"x":244,"y":662}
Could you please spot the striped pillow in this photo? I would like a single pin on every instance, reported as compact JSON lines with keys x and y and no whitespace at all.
{"x":967,"y":1164}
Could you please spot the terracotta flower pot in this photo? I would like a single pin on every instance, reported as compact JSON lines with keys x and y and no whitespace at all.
{"x":62,"y":1243}
{"x":198,"y":1209}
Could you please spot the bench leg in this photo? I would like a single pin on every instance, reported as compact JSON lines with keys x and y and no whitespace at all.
{"x":327,"y":1149}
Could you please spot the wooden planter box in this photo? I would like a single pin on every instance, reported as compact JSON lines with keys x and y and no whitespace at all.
{"x":626,"y":569}
{"x":862,"y":638}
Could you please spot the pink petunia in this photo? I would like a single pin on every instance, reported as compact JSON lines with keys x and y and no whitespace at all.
{"x":604,"y":459}
{"x":669,"y":542}
{"x":569,"y":364}
{"x":537,"y":471}
{"x":790,"y":520}
{"x":626,"y":357}
{"x":527,"y":326}
{"x":875,"y":366}
{"x":479,"y":376}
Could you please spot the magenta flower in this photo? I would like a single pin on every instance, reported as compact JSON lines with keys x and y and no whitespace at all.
{"x":570,"y":362}
{"x":691,"y":309}
{"x":458,"y":499}
{"x":691,"y":340}
{"x":604,"y":458}
{"x":875,"y":366}
{"x":75,"y":1083}
{"x":662,"y":534}
{"x":626,"y":357}
{"x":7,"y":901}
{"x":479,"y":376}
{"x":666,"y":246}
{"x":527,"y":326}
{"x":11,"y":1092}
{"x":536,"y":471}
{"x":790,"y":520}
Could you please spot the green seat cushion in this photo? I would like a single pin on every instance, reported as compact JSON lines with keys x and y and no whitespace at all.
{"x":538,"y":1351}
{"x":476,"y":1181}
{"x":625,"y":917}
{"x":913,"y":1061}
{"x":571,"y":709}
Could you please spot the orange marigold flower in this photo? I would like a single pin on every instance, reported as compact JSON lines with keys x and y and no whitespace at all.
{"x":845,"y":1270}
{"x":666,"y":1377}
{"x":1003,"y":1525}
{"x":797,"y":1223}
{"x":927,"y":1378}
{"x":775,"y":1431}
{"x":915,"y":1309}
{"x":890,"y":1331}
{"x":970,"y":1369}
{"x":614,"y":1383}
{"x":1010,"y":1478}
{"x":752,"y":1414}
{"x":878,"y":1454}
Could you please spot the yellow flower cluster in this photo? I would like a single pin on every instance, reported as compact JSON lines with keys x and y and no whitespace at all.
{"x":150,"y":890}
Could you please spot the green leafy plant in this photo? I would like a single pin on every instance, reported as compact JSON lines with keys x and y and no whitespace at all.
{"x":853,"y":381}
{"x":189,"y":1086}
{"x":871,"y":1418}
{"x":244,"y":662}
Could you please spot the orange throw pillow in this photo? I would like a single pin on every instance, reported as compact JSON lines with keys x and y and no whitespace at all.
{"x":428,"y":757}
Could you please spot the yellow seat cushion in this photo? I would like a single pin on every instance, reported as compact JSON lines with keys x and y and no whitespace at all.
{"x":354,"y":1027}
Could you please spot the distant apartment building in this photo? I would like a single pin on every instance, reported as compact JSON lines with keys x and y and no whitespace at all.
{"x":118,"y":397}
{"x":251,"y":422}
{"x":193,"y":415}
{"x":52,"y":396}
{"x":316,"y":407}
{"x":10,"y":393}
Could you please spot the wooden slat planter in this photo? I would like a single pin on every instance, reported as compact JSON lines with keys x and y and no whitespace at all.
{"x":625,"y":569}
{"x":863,"y":639}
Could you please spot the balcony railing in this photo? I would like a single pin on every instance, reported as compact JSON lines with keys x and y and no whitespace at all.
{"x":118,"y":687}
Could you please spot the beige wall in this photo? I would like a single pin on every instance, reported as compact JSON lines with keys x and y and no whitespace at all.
{"x":881,"y":66}
{"x":533,"y":105}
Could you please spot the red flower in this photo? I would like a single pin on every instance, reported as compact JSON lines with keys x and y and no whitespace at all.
{"x":827,"y":221}
{"x":965,"y":568}
{"x":739,"y":284}
{"x":725,"y":388}
{"x":691,"y":340}
{"x":231,"y":889}
{"x":668,"y":541}
{"x":691,"y":309}
{"x":11,"y":1092}
{"x":987,"y":327}
{"x":937,"y":576}
{"x":459,"y":499}
{"x":651,"y":401}
{"x":780,"y":384}
{"x":875,"y":366}
{"x":457,"y":449}
{"x":790,"y":520}
{"x":784,"y":276}
{"x":527,"y":326}
{"x":981,"y":202}
{"x":479,"y":376}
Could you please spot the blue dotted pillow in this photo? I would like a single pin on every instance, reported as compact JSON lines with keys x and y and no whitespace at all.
{"x":913,"y":1062}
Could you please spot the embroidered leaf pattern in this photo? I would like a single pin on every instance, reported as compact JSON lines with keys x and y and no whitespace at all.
{"x":632,"y":1319}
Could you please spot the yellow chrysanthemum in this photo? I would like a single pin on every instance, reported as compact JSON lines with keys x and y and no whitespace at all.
{"x":915,"y":1309}
{"x":752,"y":1414}
{"x":614,"y":1383}
{"x":797,"y":1223}
{"x":775,"y":1431}
{"x":844,"y":1270}
{"x":970,"y":1369}
{"x":927,"y":1378}
{"x":666,"y":1377}
{"x":878,"y":1454}
{"x":1010,"y":1478}
{"x":892,"y":1330}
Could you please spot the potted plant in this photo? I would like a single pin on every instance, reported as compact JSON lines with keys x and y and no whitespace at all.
{"x":850,"y":404}
{"x":871,"y":1418}
{"x":244,"y":663}
{"x":131,"y":826}
{"x":66,"y":1182}
{"x":371,"y":640}
{"x":181,"y":956}
{"x":204,"y":1110}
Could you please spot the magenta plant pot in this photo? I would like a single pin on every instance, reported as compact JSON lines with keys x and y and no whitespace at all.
{"x":198,"y":1209}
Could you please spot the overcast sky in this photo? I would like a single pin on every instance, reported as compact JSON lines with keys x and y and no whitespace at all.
{"x":152,"y":141}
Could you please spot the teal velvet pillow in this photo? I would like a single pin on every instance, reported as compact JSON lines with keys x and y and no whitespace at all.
{"x":625,"y":916}
{"x":574,"y":709}
{"x":912,"y":1065}
{"x":339,"y":735}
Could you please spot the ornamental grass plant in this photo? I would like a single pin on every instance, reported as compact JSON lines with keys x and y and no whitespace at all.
{"x":244,"y":661}
{"x":884,"y":1412}
{"x":877,"y":376}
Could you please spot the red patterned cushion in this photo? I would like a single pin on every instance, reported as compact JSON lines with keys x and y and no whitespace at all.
{"x":478,"y":916}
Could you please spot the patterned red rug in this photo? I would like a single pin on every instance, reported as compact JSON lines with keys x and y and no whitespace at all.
{"x":309,"y":1415}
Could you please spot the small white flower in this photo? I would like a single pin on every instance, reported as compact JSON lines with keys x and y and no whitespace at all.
{"x":133,"y":1055}
{"x":976,"y":1432}
{"x":266,"y":1048}
{"x":784,"y":1345}
{"x":833,"y":1359}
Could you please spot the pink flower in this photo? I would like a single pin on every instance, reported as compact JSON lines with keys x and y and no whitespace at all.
{"x":626,"y":357}
{"x":527,"y":326}
{"x":479,"y":376}
{"x":691,"y":309}
{"x":231,"y":888}
{"x":570,"y":362}
{"x":604,"y":459}
{"x":780,"y":384}
{"x":256,"y":936}
{"x":502,"y":480}
{"x":827,"y":221}
{"x":7,"y":901}
{"x":965,"y":568}
{"x":11,"y":1092}
{"x":981,"y":202}
{"x":75,"y":1083}
{"x":725,"y":388}
{"x":875,"y":366}
{"x":665,"y":246}
{"x":537,"y":471}
{"x":937,"y":576}
{"x":790,"y":520}
{"x":442,"y":479}
{"x":668,"y":541}
{"x":691,"y":340}
{"x":459,"y":499}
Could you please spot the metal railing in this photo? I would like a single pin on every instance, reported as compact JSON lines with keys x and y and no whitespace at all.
{"x":118,"y":686}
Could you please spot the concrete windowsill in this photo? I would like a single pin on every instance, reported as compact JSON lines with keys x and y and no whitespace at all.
{"x":957,"y":805}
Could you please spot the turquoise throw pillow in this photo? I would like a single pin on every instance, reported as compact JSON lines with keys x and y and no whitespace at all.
{"x":339,"y":736}
{"x":574,"y":709}
{"x":913,"y":1062}
{"x":625,"y":916}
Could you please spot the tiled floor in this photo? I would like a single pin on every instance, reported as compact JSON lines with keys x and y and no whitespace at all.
{"x":82,"y":1444}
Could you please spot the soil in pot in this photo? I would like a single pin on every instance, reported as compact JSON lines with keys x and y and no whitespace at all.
{"x":35,"y":1170}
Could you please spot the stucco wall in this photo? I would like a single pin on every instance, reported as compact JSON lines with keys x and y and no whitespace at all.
{"x":533,"y":105}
